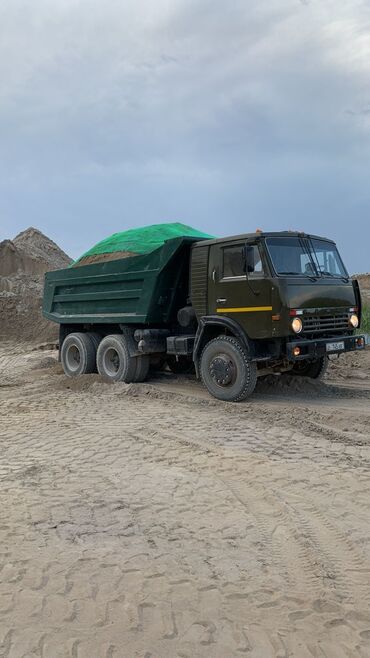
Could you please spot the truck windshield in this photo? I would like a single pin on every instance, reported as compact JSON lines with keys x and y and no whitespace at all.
{"x":303,"y":257}
{"x":327,"y":259}
{"x":291,"y":256}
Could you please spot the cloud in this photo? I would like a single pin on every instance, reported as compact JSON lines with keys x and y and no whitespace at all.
{"x":261,"y":103}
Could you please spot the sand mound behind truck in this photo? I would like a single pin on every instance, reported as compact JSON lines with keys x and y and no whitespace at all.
{"x":364,"y":281}
{"x":23,"y":263}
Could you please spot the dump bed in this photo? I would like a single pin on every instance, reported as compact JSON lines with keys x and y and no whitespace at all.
{"x":145,"y":289}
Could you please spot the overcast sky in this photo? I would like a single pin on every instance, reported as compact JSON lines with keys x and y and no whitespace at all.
{"x":227,"y":116}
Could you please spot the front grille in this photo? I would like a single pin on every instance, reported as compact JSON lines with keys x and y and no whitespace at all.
{"x":325,"y":323}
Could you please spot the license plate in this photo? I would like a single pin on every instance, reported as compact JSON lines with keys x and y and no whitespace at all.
{"x":335,"y":347}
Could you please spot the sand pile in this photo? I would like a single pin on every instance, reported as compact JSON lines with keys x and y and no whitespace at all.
{"x":352,"y":365}
{"x":23,"y":263}
{"x":364,"y":281}
{"x":104,"y":258}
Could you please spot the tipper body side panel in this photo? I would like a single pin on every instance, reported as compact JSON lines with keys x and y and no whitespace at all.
{"x":147,"y":289}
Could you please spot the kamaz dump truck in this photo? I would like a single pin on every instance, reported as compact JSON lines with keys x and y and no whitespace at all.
{"x":233,"y":309}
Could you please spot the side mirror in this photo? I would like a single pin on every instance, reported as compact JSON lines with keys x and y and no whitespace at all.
{"x":248,"y":254}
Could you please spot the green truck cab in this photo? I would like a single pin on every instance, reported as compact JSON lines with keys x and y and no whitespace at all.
{"x":233,"y":309}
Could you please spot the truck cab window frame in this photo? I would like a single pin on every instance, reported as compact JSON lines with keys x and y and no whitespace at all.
{"x":291,"y":256}
{"x":234,"y":262}
{"x":327,"y":259}
{"x":302,"y":257}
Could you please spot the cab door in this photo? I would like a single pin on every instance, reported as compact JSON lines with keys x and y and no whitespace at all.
{"x":238,"y":294}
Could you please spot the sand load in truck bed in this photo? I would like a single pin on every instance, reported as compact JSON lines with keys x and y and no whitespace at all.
{"x":136,"y":242}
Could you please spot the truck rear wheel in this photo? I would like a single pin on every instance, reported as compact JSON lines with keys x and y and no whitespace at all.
{"x":312,"y":369}
{"x":114,"y":361}
{"x":96,"y":340}
{"x":78,"y":355}
{"x":226,"y":371}
{"x":142,"y":368}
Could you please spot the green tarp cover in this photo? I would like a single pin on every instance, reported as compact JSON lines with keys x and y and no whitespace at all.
{"x":142,"y":240}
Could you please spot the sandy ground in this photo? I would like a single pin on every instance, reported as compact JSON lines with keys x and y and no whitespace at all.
{"x":150,"y":521}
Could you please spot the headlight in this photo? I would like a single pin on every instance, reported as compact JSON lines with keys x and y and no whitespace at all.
{"x":354,"y":321}
{"x":297,"y":325}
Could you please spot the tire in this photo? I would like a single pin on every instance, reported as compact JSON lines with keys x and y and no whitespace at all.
{"x":96,"y":340}
{"x":226,"y":371}
{"x":78,"y":355}
{"x":142,"y":368}
{"x":181,"y":365}
{"x":114,"y":361}
{"x":312,"y":369}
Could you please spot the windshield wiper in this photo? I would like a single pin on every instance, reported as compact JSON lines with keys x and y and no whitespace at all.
{"x":335,"y":276}
{"x":312,"y":277}
{"x":305,"y":246}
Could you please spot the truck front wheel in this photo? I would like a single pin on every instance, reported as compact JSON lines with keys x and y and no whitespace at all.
{"x":312,"y":369}
{"x":114,"y":361}
{"x":226,"y":371}
{"x":78,"y":354}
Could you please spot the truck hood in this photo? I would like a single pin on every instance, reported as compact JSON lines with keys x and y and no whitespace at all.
{"x":319,"y":294}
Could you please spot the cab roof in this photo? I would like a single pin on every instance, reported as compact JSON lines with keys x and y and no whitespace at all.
{"x":263,"y":234}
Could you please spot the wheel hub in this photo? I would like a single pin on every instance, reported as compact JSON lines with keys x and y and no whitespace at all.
{"x":222,"y":370}
{"x":112,"y":361}
{"x":73,"y":357}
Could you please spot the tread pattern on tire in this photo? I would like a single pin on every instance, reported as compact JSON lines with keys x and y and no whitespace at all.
{"x":142,"y":368}
{"x":323,"y":368}
{"x":117,"y":341}
{"x":87,"y":350}
{"x":95,"y":337}
{"x":96,"y":340}
{"x":251,"y":379}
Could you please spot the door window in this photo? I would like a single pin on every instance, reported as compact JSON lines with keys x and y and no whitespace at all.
{"x":256,"y":260}
{"x":234,"y":261}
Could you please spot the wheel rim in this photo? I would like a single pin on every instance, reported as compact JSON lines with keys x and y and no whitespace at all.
{"x":73,"y":358}
{"x":222,"y":370}
{"x":111,"y":362}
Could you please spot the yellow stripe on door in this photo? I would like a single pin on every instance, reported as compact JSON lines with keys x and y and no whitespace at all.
{"x":244,"y":309}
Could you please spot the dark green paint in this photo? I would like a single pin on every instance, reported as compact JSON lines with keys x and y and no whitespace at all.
{"x":149,"y":289}
{"x":138,"y":290}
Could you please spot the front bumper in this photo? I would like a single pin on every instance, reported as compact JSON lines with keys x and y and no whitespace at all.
{"x":314,"y":349}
